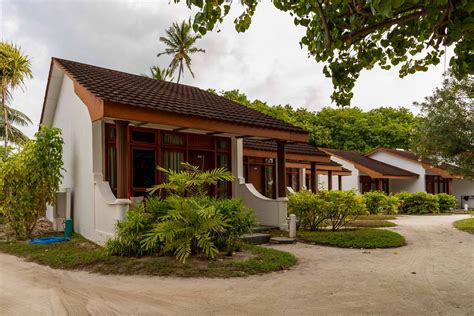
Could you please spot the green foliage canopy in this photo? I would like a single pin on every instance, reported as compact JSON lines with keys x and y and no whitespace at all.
{"x":29,"y":181}
{"x":446,"y":133}
{"x":352,"y":35}
{"x":342,"y":128}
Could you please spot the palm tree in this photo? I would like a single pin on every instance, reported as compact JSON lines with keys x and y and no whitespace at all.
{"x":179,"y":43}
{"x":14,"y":69}
{"x":159,"y":73}
{"x":15,"y":117}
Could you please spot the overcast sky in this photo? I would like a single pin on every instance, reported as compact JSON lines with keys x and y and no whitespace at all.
{"x":266,"y":62}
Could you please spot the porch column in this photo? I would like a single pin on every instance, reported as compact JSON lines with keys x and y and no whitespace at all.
{"x":302,"y":176}
{"x":439,"y":184}
{"x":329,"y":180}
{"x":122,"y":159}
{"x":450,"y":186}
{"x":339,"y":182}
{"x":281,"y":172}
{"x":314,"y":178}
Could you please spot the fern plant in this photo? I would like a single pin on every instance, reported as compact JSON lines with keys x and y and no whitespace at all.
{"x":188,"y":228}
{"x":191,"y":181}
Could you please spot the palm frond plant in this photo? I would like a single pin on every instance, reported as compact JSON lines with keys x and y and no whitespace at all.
{"x":158,"y":73}
{"x":15,"y":68}
{"x":188,"y":228}
{"x":191,"y":180}
{"x":179,"y":42}
{"x":17,"y":118}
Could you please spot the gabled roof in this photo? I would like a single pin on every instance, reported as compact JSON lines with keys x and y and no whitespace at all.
{"x":402,"y":153}
{"x":140,"y":92}
{"x":374,"y":168}
{"x":426,"y":163}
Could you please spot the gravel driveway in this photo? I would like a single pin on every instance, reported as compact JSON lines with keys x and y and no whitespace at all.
{"x":433,"y":274}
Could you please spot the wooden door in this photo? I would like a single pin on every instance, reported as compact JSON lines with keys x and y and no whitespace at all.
{"x":255,"y":176}
{"x":430,"y":184}
{"x":366,"y":184}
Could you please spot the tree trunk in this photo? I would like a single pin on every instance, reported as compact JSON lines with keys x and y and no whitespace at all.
{"x":180,"y":71}
{"x":5,"y":121}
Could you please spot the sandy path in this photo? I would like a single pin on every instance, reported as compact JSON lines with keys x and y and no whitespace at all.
{"x":326,"y":281}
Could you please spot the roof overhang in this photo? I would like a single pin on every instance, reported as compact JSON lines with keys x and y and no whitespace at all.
{"x":370,"y":172}
{"x":100,"y":109}
{"x":289,"y":156}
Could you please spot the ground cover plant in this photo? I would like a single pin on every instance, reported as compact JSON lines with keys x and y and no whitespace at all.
{"x":466,"y":225}
{"x":81,"y":254}
{"x":355,"y":238}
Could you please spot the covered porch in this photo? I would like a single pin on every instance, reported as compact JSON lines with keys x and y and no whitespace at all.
{"x":303,"y":161}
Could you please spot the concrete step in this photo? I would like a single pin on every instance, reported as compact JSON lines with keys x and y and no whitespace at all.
{"x":262,"y":229}
{"x":256,"y":238}
{"x":282,"y":240}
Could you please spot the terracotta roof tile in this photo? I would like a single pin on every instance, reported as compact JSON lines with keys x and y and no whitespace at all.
{"x":140,"y":91}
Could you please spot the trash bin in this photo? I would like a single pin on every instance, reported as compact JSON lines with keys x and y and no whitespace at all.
{"x":68,"y":228}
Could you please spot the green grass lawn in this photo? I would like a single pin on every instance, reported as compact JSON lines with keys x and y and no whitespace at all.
{"x":372,"y":221}
{"x":80,"y":254}
{"x":466,"y":225}
{"x":355,"y":238}
{"x":376,"y":217}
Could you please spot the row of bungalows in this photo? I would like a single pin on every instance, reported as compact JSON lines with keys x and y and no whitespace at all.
{"x":117,"y":127}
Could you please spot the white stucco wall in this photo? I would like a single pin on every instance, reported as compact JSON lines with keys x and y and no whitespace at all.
{"x":416,"y":185}
{"x":348,"y":182}
{"x":95,"y":209}
{"x":72,"y":117}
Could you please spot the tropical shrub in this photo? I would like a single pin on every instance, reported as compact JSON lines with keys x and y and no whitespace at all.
{"x":29,"y":180}
{"x":189,"y":228}
{"x":240,"y":221}
{"x":186,"y":221}
{"x":374,"y":201}
{"x":391,"y":205}
{"x":334,"y":208}
{"x":308,"y":208}
{"x":420,"y":203}
{"x":446,"y":202}
{"x":130,"y":234}
{"x":342,"y":208}
{"x":378,"y":202}
{"x":402,"y":196}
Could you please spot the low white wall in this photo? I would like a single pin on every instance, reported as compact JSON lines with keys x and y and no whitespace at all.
{"x":462,"y":187}
{"x":269,"y":212}
{"x":108,"y":210}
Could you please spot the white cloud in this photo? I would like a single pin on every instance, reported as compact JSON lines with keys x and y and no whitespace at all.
{"x":266,"y":62}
